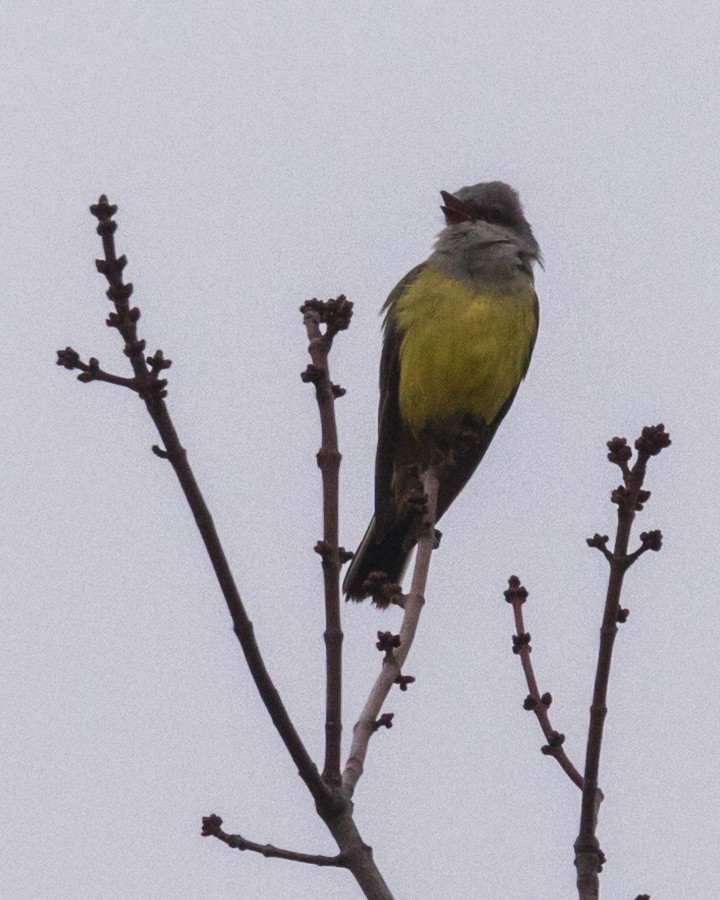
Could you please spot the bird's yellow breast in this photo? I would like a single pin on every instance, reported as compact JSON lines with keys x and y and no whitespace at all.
{"x":461,"y":351}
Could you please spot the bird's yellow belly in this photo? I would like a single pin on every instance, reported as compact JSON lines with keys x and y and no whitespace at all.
{"x":461,"y":351}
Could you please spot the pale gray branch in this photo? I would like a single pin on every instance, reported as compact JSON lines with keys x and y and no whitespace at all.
{"x":394,"y":660}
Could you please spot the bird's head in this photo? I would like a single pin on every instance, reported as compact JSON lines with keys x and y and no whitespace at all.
{"x":493,"y":202}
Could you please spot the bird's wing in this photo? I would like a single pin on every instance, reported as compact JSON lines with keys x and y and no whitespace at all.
{"x":536,"y":313}
{"x":389,"y":424}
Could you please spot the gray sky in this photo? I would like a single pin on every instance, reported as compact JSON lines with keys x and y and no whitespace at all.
{"x":262,"y":154}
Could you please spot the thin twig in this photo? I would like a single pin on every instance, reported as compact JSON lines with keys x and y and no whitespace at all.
{"x":91,"y":371}
{"x":629,"y":498}
{"x":335,"y":315}
{"x":212,"y":828}
{"x":152,"y":390}
{"x":332,"y":806}
{"x":538,"y":703}
{"x":394,"y":659}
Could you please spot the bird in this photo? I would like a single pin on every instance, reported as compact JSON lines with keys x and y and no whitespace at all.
{"x":458,"y":334}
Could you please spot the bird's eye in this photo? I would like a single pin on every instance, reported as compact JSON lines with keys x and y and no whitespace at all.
{"x":495,"y":215}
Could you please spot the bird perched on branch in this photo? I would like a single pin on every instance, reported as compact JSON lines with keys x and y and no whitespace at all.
{"x":459,"y":332}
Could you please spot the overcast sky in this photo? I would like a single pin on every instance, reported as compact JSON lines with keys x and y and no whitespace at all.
{"x":261,"y":154}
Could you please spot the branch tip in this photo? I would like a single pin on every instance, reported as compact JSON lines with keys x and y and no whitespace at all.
{"x":653,"y":440}
{"x":651,"y":540}
{"x":68,"y":358}
{"x":103,"y":210}
{"x":335,"y":313}
{"x":210,"y":824}
{"x":619,"y":453}
{"x":515,"y":593}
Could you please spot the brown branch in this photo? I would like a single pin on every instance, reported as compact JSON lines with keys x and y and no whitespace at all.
{"x":629,"y":498}
{"x":516,"y":595}
{"x":211,"y":828}
{"x":395,"y":656}
{"x":332,"y":806}
{"x":335,"y":315}
{"x":152,"y":390}
{"x":91,"y":371}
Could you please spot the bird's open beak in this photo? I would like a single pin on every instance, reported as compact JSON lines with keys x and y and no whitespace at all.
{"x":455,"y":210}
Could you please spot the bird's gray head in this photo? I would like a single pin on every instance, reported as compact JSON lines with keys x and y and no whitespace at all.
{"x":493,"y":202}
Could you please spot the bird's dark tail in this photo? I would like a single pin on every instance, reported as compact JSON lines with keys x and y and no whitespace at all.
{"x":388,"y":555}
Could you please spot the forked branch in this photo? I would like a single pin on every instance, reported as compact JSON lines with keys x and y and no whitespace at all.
{"x":629,"y":498}
{"x":332,"y":805}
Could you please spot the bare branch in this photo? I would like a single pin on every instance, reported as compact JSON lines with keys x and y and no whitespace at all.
{"x":629,"y":498}
{"x":332,"y":806}
{"x":91,"y":371}
{"x":538,"y":703}
{"x":152,"y":390}
{"x":211,"y":828}
{"x":335,"y":315}
{"x":394,"y":659}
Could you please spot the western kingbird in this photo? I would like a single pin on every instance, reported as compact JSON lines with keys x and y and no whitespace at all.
{"x":459,"y":332}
